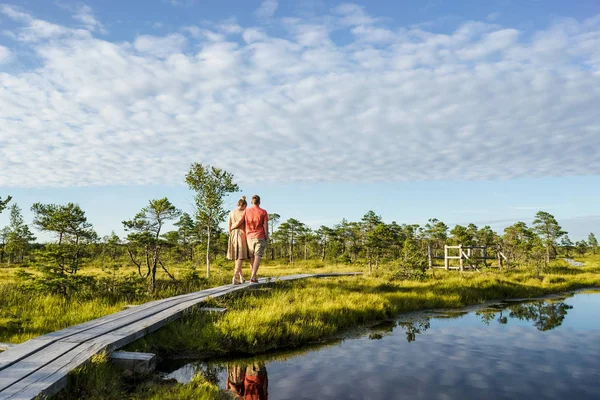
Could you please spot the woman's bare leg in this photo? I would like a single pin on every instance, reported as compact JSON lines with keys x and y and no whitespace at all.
{"x":238,"y":271}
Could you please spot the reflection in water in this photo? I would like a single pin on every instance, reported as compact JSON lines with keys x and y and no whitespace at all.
{"x":414,"y":328}
{"x":248,"y":381}
{"x":544,"y":315}
{"x":516,"y":353}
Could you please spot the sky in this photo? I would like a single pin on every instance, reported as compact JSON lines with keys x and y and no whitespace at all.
{"x":466,"y":111}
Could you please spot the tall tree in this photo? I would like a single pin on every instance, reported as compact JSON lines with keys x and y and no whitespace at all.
{"x":593,"y":242}
{"x":4,"y":203}
{"x":19,"y":235}
{"x":186,"y":228}
{"x":324,"y":236}
{"x":582,"y":247}
{"x":61,"y":261}
{"x":273,"y":220}
{"x":546,"y":226}
{"x":211,"y":185}
{"x":463,"y":234}
{"x":146,"y":228}
{"x":289,"y":230}
{"x":435,"y":233}
{"x":566,"y":244}
{"x":3,"y":236}
{"x":518,"y":241}
{"x":368,"y":223}
{"x":113,"y":246}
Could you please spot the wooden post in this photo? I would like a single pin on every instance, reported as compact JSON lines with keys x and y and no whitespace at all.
{"x":460,"y":253}
{"x":446,"y":261}
{"x":499,"y":259}
{"x":484,"y":251}
{"x":429,"y":257}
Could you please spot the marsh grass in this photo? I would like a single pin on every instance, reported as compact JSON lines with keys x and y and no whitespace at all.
{"x":315,"y":310}
{"x":286,"y":316}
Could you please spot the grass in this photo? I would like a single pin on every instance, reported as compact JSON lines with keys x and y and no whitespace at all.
{"x":286,"y":316}
{"x":314,"y":310}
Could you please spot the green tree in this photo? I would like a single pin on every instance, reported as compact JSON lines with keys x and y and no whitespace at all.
{"x":19,"y":236}
{"x":546,"y":226}
{"x":290,"y":230}
{"x":368,"y":223}
{"x":324,"y":236}
{"x":581,"y":247}
{"x":305,"y":238}
{"x":518,"y":241}
{"x":593,"y":242}
{"x":211,"y":185}
{"x":435,"y":233}
{"x":113,"y":246}
{"x":486,"y":236}
{"x":379,"y":239}
{"x":566,"y":244}
{"x":144,"y":241}
{"x":60,"y":261}
{"x":273,"y":220}
{"x":4,"y":203}
{"x":3,"y":236}
{"x":463,"y":235}
{"x":186,"y":229}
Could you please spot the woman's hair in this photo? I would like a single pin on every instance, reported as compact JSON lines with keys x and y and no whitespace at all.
{"x":256,"y":199}
{"x":242,"y":202}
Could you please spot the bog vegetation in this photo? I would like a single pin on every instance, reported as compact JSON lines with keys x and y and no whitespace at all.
{"x":79,"y":276}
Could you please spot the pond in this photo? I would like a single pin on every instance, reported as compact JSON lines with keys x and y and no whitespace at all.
{"x":544,"y":349}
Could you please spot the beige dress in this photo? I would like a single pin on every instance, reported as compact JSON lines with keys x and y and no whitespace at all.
{"x":237,"y":248}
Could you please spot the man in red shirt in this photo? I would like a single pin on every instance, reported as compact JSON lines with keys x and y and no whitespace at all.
{"x":257,"y":234}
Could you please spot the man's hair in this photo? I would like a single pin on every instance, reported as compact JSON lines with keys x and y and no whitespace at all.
{"x":256,"y":199}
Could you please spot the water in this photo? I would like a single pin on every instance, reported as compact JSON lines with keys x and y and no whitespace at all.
{"x":536,"y":350}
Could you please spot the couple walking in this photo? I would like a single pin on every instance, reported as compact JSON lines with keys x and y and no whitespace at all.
{"x":248,"y":235}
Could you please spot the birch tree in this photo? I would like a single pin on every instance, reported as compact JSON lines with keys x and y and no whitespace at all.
{"x":211,"y":185}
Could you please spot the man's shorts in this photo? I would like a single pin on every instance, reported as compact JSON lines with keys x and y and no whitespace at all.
{"x":256,"y":247}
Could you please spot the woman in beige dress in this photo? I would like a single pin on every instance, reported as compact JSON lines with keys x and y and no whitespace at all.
{"x":237,"y":248}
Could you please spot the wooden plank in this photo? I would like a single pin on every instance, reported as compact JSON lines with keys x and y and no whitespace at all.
{"x":32,"y":346}
{"x":143,"y":363}
{"x":217,"y":310}
{"x":53,"y":377}
{"x":44,"y":372}
{"x":334,"y":274}
{"x":16,"y":372}
{"x":112,"y":340}
{"x":6,"y":346}
{"x":115,"y":325}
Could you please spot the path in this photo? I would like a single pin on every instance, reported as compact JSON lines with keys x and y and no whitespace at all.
{"x":40,"y":365}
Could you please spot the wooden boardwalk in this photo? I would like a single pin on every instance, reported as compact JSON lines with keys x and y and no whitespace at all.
{"x":39,"y":367}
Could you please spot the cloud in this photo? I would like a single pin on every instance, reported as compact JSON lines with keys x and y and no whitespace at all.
{"x":5,"y":54}
{"x":85,"y":16}
{"x":267,"y":8}
{"x":388,"y":104}
{"x":160,"y":46}
{"x":181,"y":3}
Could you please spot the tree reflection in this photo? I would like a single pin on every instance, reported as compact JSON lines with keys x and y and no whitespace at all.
{"x":248,"y":381}
{"x":413,"y":328}
{"x":488,"y":316}
{"x":545,"y":316}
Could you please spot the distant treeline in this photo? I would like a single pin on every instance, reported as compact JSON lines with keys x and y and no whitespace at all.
{"x":198,"y":237}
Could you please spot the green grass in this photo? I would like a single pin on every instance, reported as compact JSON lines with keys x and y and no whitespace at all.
{"x":314,"y":310}
{"x":286,"y":316}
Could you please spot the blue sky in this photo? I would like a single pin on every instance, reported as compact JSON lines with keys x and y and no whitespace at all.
{"x":470,"y":111}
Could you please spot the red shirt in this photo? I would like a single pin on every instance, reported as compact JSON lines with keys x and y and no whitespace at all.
{"x":255,"y":220}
